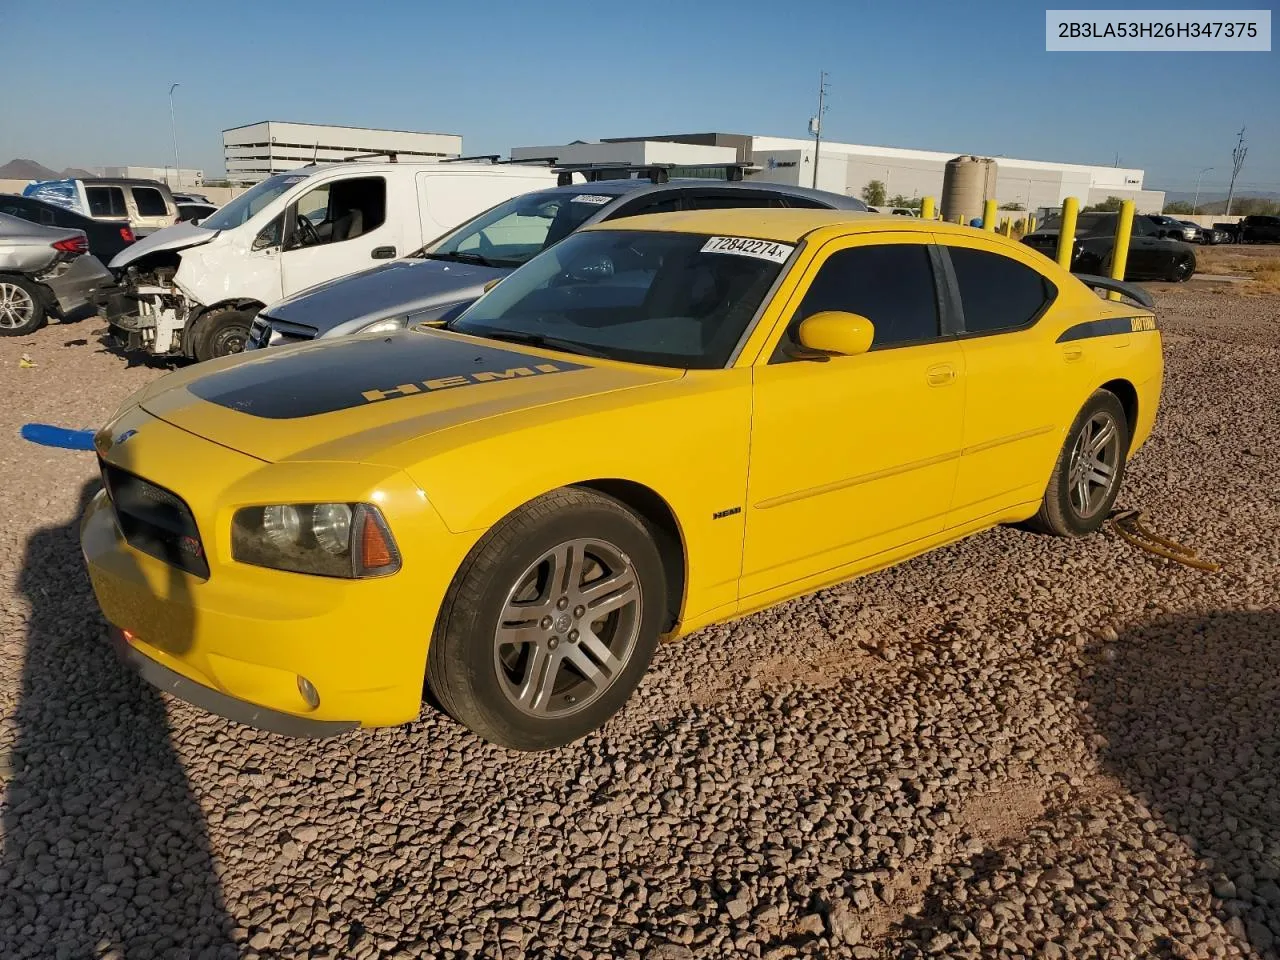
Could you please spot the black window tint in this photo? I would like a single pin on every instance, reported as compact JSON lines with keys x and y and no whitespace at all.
{"x":997,"y":292}
{"x":150,"y":202}
{"x":806,"y":203}
{"x":106,"y":202}
{"x":662,"y":203}
{"x":730,"y":200}
{"x":890,"y":284}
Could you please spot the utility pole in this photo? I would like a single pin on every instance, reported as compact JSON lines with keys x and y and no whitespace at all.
{"x":815,"y":124}
{"x":173,"y":125}
{"x":1237,"y":161}
{"x":1195,"y":207}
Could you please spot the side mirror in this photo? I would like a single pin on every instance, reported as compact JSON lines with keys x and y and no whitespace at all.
{"x":492,"y":283}
{"x":836,"y":332}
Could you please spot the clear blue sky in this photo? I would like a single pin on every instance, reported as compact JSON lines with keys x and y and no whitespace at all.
{"x":89,"y":83}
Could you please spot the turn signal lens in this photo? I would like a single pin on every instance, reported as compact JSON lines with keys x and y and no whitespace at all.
{"x":375,"y":552}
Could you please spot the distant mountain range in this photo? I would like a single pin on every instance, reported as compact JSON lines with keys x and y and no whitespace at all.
{"x":1215,"y":201}
{"x":20,"y":169}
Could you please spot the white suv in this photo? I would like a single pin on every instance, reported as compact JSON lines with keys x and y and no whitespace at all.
{"x":193,"y":290}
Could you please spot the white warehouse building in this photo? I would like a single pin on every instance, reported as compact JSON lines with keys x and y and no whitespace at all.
{"x":254,"y":152}
{"x":846,"y":168}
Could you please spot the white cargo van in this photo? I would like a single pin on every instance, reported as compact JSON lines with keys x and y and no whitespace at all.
{"x":193,"y":290}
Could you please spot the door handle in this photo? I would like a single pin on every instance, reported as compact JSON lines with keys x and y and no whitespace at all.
{"x":383,"y":253}
{"x":1073,"y":353}
{"x":941,"y":374}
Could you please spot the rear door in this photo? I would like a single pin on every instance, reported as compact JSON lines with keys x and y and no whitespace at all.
{"x":449,"y":198}
{"x":1023,"y":387}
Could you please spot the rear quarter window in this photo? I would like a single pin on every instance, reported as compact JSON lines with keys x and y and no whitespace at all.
{"x":998,"y":293}
{"x":150,"y":202}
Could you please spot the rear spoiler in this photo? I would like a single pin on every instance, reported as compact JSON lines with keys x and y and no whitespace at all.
{"x":1130,"y":290}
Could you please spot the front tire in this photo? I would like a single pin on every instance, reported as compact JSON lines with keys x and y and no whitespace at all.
{"x":1090,"y":468}
{"x":21,"y":307}
{"x":1183,"y":268}
{"x":551,"y":621}
{"x":221,"y":333}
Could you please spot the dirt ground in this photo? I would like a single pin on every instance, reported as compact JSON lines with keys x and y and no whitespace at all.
{"x":1015,"y":746}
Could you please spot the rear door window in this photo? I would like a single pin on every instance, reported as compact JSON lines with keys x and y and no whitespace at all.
{"x":150,"y":202}
{"x":650,"y":203}
{"x":997,"y":292}
{"x":106,"y":202}
{"x":730,"y":199}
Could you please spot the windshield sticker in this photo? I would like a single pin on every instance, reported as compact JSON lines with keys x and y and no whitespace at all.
{"x":746,"y":247}
{"x":294,"y":179}
{"x":591,"y":198}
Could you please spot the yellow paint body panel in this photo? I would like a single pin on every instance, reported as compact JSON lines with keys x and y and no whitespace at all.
{"x":782,"y":477}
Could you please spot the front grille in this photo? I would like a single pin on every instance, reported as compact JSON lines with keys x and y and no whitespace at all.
{"x":155,"y":521}
{"x":268,"y":331}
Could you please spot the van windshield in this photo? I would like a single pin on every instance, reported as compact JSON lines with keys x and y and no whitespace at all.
{"x":512,"y":232}
{"x":247,"y":204}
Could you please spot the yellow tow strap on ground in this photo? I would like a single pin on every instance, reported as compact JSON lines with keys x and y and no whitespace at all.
{"x":1128,"y":524}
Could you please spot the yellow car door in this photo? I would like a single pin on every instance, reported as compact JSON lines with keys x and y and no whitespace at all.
{"x":1023,"y":387}
{"x":853,"y":455}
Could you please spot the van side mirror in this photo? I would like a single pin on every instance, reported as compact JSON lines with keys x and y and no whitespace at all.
{"x":836,"y":332}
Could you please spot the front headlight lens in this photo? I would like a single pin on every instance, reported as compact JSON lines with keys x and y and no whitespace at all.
{"x":326,"y":539}
{"x":386,"y":326}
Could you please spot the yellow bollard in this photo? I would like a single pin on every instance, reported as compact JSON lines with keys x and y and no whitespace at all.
{"x":960,"y":219}
{"x":1006,"y":226}
{"x":989,"y":216}
{"x":927,"y":209}
{"x":1067,"y":232}
{"x":1031,"y":223}
{"x":1120,"y":252}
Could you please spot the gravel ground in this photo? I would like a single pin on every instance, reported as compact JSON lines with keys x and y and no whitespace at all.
{"x":1014,"y":747}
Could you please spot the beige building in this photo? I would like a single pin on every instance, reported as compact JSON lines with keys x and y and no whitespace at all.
{"x":254,"y":152}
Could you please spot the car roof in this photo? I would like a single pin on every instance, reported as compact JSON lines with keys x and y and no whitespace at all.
{"x":783,"y":226}
{"x":620,"y":187}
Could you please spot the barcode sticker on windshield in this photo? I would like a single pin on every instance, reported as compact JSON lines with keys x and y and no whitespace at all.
{"x":591,"y":198}
{"x":746,"y":247}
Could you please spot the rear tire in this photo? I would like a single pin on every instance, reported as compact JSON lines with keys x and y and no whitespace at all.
{"x":551,"y":621}
{"x":21,"y":306}
{"x":1090,"y":468}
{"x":1183,"y":268}
{"x":221,"y":333}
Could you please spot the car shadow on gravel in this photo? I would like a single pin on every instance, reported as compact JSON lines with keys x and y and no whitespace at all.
{"x":105,"y":848}
{"x":1189,"y":708}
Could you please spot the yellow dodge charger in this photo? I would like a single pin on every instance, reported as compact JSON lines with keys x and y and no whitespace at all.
{"x":652,"y":426}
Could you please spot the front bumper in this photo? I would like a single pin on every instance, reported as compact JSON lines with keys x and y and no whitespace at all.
{"x":206,"y":698}
{"x":242,"y":638}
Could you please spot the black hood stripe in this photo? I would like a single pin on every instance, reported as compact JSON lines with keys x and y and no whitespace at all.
{"x":343,"y":373}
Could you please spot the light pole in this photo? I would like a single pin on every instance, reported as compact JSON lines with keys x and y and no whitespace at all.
{"x":1195,"y":207}
{"x":815,"y":124}
{"x":173,"y":125}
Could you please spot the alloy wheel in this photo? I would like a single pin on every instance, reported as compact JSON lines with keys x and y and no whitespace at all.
{"x":16,"y":306}
{"x":568,"y":628}
{"x":1093,"y":468}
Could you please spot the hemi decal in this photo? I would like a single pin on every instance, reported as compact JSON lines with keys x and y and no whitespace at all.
{"x":1107,"y":328}
{"x":461,"y":380}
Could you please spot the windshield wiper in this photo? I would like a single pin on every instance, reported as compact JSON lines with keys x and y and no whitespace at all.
{"x":538,"y":340}
{"x":461,"y":258}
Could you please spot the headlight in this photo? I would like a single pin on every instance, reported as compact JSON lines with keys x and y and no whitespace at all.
{"x":327,"y":539}
{"x":390,"y":325}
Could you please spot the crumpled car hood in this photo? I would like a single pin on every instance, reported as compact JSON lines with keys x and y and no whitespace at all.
{"x":178,"y":237}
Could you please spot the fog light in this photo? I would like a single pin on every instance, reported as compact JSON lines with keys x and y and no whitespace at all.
{"x":309,"y":692}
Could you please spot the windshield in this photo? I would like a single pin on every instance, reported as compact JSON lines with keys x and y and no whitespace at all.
{"x":514,"y":231}
{"x":669,"y":299}
{"x":247,"y":204}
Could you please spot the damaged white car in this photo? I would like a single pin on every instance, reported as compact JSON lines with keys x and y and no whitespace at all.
{"x":193,"y":290}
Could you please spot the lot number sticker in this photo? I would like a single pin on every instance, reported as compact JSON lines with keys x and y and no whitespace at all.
{"x":591,"y":198}
{"x":746,"y":247}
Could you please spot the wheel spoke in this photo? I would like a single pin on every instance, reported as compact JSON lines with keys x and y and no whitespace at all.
{"x":1101,"y":479}
{"x":514,"y":635}
{"x":1102,"y":438}
{"x":566,"y":568}
{"x":589,"y":643}
{"x":1082,"y":491}
{"x":539,"y":678}
{"x":609,"y":593}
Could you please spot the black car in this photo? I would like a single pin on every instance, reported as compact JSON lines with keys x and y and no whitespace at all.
{"x":106,"y":238}
{"x":1260,"y":229}
{"x":1152,"y":255}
